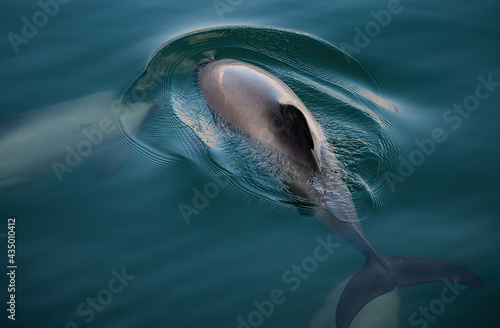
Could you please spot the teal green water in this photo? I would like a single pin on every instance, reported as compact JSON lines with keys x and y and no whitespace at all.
{"x":411,"y":71}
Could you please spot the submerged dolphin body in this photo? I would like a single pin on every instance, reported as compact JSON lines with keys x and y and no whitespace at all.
{"x":59,"y":137}
{"x":263,"y":107}
{"x":382,"y":312}
{"x":30,"y":144}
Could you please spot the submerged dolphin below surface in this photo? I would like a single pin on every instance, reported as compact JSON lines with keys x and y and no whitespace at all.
{"x":265,"y":108}
{"x":38,"y":141}
{"x":382,"y":312}
{"x":60,"y":137}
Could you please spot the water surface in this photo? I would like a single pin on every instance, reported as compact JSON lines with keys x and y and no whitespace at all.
{"x":74,"y":236}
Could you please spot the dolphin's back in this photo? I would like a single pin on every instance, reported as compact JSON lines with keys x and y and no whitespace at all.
{"x":263,"y":106}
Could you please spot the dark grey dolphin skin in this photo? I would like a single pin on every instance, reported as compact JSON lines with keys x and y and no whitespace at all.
{"x":265,"y":108}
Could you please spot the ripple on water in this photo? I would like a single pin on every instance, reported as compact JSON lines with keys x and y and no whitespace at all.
{"x":350,"y":102}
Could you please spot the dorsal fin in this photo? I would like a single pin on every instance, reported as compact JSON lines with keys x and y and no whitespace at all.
{"x":296,"y":124}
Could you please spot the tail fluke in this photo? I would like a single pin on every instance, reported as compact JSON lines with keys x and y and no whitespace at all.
{"x":371,"y":281}
{"x":407,"y":271}
{"x":379,"y":277}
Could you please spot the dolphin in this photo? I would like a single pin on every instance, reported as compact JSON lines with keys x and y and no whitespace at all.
{"x":59,"y":137}
{"x":261,"y":106}
{"x":31,"y":143}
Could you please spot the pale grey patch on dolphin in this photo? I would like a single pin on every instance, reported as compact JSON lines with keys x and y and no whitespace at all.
{"x":43,"y":139}
{"x":265,"y":108}
{"x":38,"y":138}
{"x":381,"y":312}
